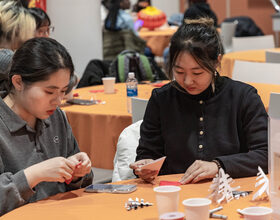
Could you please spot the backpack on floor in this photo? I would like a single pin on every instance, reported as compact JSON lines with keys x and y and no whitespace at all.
{"x":145,"y":69}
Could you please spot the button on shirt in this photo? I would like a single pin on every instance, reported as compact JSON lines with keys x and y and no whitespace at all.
{"x":22,"y":146}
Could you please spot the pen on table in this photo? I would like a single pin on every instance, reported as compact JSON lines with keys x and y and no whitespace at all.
{"x":216,"y":209}
{"x":218,"y":216}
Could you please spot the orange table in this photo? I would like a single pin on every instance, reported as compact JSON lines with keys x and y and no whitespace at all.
{"x":264,"y":91}
{"x":157,"y":40}
{"x":84,"y":206}
{"x":97,"y":127}
{"x":228,"y":59}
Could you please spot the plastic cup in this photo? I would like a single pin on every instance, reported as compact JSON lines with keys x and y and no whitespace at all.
{"x":167,"y":198}
{"x":197,"y":208}
{"x":109,"y":84}
{"x":257,"y":213}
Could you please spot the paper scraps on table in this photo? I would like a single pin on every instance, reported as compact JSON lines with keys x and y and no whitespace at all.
{"x":169,"y":183}
{"x":99,"y":90}
{"x":158,"y":85}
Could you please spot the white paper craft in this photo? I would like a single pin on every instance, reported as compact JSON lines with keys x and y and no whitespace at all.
{"x":220,"y":187}
{"x":155,"y":165}
{"x":262,"y":180}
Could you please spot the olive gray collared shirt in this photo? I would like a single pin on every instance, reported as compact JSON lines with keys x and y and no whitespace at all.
{"x":21,"y":146}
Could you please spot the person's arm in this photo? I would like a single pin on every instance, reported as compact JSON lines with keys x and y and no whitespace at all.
{"x":14,"y":190}
{"x":151,"y":141}
{"x":254,"y":136}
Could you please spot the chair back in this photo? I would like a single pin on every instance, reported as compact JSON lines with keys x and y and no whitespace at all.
{"x":227,"y":33}
{"x":268,"y":73}
{"x":272,"y":56}
{"x":126,"y":152}
{"x":253,"y":43}
{"x":138,"y":107}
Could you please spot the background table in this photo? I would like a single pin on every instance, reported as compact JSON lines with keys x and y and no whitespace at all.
{"x":97,"y":127}
{"x":84,"y":206}
{"x":228,"y":59}
{"x":157,"y":40}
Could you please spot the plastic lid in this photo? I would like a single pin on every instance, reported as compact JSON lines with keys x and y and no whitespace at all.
{"x":131,"y":75}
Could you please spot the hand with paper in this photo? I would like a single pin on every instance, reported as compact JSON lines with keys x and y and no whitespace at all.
{"x":147,"y":169}
{"x":199,"y":170}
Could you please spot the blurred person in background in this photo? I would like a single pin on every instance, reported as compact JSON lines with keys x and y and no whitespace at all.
{"x":141,"y":4}
{"x":199,"y":9}
{"x":43,"y":22}
{"x":16,"y":26}
{"x":117,"y":18}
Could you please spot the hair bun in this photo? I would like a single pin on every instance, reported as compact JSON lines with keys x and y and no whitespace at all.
{"x":201,"y":21}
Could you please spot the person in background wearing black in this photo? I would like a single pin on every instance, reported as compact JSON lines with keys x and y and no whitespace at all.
{"x":202,"y":121}
{"x":141,"y":4}
{"x":198,"y":9}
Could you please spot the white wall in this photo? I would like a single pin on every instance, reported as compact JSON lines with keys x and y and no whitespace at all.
{"x":78,"y":27}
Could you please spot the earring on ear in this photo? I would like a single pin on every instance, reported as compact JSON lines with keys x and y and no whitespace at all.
{"x":213,"y":85}
{"x":213,"y":81}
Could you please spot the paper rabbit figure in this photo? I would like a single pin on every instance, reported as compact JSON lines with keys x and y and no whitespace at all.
{"x":262,"y":180}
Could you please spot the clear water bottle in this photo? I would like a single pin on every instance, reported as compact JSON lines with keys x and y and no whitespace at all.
{"x":131,"y":89}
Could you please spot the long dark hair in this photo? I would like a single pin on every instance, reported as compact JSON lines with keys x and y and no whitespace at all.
{"x":201,"y":40}
{"x":37,"y":59}
{"x":111,"y":19}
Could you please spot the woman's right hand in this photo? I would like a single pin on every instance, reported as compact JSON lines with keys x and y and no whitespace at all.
{"x":147,"y":175}
{"x":57,"y":169}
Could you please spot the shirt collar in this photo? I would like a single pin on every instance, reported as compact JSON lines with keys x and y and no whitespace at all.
{"x":14,"y":122}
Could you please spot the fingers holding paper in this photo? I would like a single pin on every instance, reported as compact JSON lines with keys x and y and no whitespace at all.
{"x":199,"y":170}
{"x":145,"y":174}
{"x":83,"y":164}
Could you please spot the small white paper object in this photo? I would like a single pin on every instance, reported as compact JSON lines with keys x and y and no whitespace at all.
{"x":220,"y":187}
{"x":262,"y":179}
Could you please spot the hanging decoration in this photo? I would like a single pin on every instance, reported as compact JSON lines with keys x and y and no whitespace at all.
{"x":38,"y":4}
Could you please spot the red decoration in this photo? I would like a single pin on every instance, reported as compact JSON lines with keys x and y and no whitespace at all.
{"x":152,"y":17}
{"x":38,"y":4}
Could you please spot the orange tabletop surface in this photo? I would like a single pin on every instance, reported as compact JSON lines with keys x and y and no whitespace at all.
{"x":228,"y":59}
{"x":157,"y":40}
{"x":264,"y":91}
{"x":78,"y":205}
{"x":97,"y":127}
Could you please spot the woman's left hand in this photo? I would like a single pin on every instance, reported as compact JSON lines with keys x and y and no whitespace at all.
{"x":83,"y":162}
{"x":199,"y":170}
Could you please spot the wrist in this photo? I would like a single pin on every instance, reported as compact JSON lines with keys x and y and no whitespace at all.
{"x":218,"y":164}
{"x":33,"y":177}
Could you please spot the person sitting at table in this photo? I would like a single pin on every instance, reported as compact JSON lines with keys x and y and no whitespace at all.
{"x":39,"y":153}
{"x":43,"y":22}
{"x":202,"y":121}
